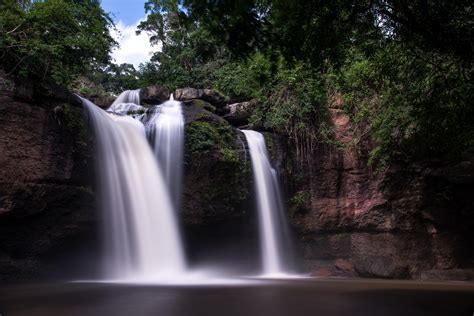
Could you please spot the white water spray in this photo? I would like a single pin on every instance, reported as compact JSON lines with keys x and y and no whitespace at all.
{"x":142,"y":239}
{"x":165,"y":128}
{"x":272,"y":220}
{"x":127,"y":97}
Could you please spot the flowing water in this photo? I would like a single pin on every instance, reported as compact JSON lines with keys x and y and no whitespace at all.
{"x":272,"y":220}
{"x":128,"y":102}
{"x":126,"y":97}
{"x":165,"y":129}
{"x":142,"y":240}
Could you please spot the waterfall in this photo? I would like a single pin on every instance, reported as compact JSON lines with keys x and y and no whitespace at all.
{"x":272,"y":220}
{"x":142,"y":239}
{"x":127,"y":102}
{"x":127,"y":97}
{"x":165,"y":129}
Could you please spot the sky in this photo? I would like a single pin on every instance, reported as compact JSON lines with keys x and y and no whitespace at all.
{"x":127,"y":14}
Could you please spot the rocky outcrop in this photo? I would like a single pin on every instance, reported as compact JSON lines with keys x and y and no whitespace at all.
{"x":153,"y":95}
{"x":239,"y":113}
{"x":217,"y":174}
{"x":102,"y":101}
{"x":412,"y":220}
{"x":207,"y":95}
{"x":46,"y":201}
{"x":396,"y":223}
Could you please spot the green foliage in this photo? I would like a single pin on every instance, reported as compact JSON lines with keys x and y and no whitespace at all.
{"x":200,"y":137}
{"x":72,"y":121}
{"x":55,"y":40}
{"x":117,"y":78}
{"x":411,"y":102}
{"x":243,"y":78}
{"x":295,"y":104}
{"x":299,"y":201}
{"x":189,"y":55}
{"x":205,"y":138}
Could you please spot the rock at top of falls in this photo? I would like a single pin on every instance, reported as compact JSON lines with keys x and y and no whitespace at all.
{"x":272,"y":220}
{"x":142,"y":240}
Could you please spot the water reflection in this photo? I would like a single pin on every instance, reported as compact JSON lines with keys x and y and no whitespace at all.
{"x":298,"y":297}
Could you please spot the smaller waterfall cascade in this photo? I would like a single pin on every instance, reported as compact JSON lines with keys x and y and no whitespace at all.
{"x":165,"y":129}
{"x":142,"y":238}
{"x":128,"y":101}
{"x":272,"y":220}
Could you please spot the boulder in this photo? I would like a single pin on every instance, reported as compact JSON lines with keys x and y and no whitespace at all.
{"x":104,"y":101}
{"x":207,"y":95}
{"x":187,"y":94}
{"x":344,"y":265}
{"x":153,"y":95}
{"x":239,"y":113}
{"x":213,"y":147}
{"x":213,"y":97}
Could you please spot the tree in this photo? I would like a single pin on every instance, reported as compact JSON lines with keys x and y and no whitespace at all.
{"x":54,"y":40}
{"x":404,"y":68}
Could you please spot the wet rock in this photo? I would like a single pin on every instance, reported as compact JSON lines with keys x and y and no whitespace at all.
{"x":322,"y":273}
{"x":381,"y":267}
{"x":45,"y":190}
{"x":104,"y":102}
{"x":395,"y":223}
{"x":239,"y":113}
{"x":448,"y":275}
{"x":213,"y":147}
{"x":208,"y":95}
{"x":154,"y":95}
{"x":344,"y":265}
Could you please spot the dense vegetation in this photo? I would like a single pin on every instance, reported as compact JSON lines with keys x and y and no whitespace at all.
{"x":402,"y":69}
{"x":54,"y":40}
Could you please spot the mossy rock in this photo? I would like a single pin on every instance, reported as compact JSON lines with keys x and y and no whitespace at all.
{"x":217,"y":174}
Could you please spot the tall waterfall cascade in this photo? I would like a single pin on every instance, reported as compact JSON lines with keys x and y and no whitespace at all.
{"x":140,"y":166}
{"x":165,"y":129}
{"x":142,"y":239}
{"x":272,"y":220}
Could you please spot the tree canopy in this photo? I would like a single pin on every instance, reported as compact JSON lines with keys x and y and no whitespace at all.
{"x":54,"y":40}
{"x":404,"y":68}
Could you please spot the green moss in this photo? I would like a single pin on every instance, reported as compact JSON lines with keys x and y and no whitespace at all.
{"x":204,"y":105}
{"x":203,"y":137}
{"x":200,"y":138}
{"x":229,"y":155}
{"x":211,"y":148}
{"x":299,"y":201}
{"x":71,"y":120}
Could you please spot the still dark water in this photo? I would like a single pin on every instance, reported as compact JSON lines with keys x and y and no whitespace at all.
{"x":299,"y":297}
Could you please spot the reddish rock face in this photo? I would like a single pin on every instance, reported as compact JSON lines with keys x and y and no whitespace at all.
{"x":396,"y":223}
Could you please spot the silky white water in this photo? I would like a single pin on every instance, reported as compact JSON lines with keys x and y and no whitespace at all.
{"x":142,"y":240}
{"x":165,"y":129}
{"x":272,"y":221}
{"x":126,"y":97}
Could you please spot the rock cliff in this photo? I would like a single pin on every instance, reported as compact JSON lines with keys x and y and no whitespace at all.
{"x":46,"y":200}
{"x":412,"y":220}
